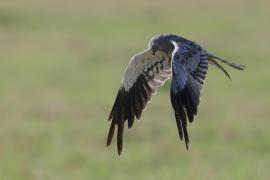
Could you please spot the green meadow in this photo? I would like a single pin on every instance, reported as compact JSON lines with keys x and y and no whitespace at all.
{"x":61,"y":64}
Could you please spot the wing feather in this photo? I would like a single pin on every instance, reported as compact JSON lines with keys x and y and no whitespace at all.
{"x":189,"y":65}
{"x":145,"y":73}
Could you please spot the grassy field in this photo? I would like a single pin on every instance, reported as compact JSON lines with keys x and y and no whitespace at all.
{"x":61,"y":63}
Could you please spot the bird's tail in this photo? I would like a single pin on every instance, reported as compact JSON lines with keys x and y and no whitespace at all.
{"x":213,"y":60}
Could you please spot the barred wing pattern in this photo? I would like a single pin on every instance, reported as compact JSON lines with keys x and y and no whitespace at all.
{"x":189,"y":68}
{"x":145,"y":73}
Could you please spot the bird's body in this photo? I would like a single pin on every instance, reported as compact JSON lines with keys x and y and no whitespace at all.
{"x":168,"y":55}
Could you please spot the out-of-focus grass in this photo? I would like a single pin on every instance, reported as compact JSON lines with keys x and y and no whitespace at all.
{"x":60,"y":67}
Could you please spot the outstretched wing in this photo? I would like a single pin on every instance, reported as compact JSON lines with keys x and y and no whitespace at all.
{"x":189,"y":68}
{"x":144,"y":74}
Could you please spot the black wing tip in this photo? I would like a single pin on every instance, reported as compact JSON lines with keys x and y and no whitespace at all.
{"x":185,"y":137}
{"x":110,"y":134}
{"x":108,"y":142}
{"x":128,"y":106}
{"x":116,"y":115}
{"x":187,"y":145}
{"x":119,"y":137}
{"x":180,"y":104}
{"x":119,"y":150}
{"x":120,"y":131}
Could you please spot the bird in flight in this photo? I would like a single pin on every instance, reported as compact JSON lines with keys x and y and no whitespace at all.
{"x":167,"y":56}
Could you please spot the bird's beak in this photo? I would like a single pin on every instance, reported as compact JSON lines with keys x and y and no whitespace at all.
{"x":154,"y":49}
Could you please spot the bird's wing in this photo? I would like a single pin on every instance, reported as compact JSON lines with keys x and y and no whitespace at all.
{"x":189,"y":68}
{"x":144,"y":74}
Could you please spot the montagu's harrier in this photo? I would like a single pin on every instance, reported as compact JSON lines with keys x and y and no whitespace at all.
{"x":167,"y":56}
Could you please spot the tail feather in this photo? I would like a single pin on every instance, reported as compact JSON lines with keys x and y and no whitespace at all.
{"x":215,"y":63}
{"x":236,"y":66}
{"x":213,"y":60}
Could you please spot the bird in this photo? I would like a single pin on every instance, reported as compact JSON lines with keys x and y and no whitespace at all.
{"x":167,"y":56}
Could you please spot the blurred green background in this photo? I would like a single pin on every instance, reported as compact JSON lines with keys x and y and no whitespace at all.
{"x":61,"y":63}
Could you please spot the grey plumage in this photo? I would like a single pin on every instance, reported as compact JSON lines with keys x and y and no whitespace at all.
{"x":167,"y":56}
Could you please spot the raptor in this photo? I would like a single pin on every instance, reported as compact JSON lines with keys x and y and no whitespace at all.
{"x":167,"y":56}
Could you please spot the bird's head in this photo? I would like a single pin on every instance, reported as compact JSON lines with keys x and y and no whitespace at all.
{"x":161,"y":43}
